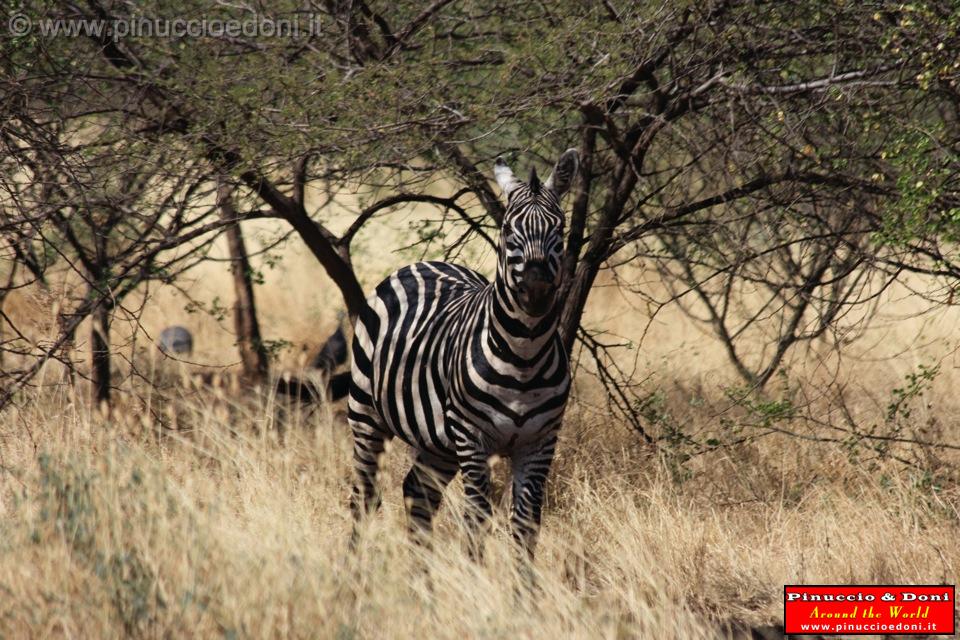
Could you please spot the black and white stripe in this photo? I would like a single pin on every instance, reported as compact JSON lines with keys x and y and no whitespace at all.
{"x":462,"y":369}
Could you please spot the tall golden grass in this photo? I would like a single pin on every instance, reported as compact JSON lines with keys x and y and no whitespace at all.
{"x":220,"y":527}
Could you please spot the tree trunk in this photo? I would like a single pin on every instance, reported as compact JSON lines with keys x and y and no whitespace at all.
{"x":574,"y":304}
{"x":100,"y":357}
{"x":576,"y":295}
{"x":253,"y":354}
{"x":334,"y":259}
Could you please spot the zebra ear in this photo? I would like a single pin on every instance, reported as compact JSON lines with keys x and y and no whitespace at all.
{"x":564,"y":173}
{"x":505,"y":178}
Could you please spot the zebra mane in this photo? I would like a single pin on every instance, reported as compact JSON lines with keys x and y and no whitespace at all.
{"x":534,"y":182}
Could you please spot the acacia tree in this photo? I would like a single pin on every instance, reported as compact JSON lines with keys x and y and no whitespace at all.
{"x":102,"y":221}
{"x":696,"y":125}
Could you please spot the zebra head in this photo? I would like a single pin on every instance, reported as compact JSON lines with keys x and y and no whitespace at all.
{"x":531,"y":238}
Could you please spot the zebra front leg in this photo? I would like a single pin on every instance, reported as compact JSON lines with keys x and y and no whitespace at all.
{"x":475,"y":466}
{"x":422,"y":492}
{"x":530,"y":469}
{"x":368,"y":446}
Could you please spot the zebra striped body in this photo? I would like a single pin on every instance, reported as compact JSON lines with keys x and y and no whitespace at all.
{"x":462,"y":369}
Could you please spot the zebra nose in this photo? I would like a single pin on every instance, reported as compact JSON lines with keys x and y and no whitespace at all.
{"x":536,"y":274}
{"x":536,"y":288}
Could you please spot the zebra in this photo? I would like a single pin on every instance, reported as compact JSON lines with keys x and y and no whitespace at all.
{"x":462,"y":369}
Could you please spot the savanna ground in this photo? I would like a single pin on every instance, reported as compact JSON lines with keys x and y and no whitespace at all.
{"x":198,"y":511}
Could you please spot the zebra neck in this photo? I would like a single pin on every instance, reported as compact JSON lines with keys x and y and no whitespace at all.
{"x":512,"y":334}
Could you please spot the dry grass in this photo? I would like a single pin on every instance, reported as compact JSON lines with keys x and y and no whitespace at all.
{"x":117,"y":528}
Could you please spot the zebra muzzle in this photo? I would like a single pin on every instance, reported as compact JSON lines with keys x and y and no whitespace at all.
{"x":536,"y":289}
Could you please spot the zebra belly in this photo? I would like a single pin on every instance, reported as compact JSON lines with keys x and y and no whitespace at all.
{"x":420,"y":423}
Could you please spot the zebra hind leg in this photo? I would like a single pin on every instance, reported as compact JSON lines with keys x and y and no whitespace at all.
{"x":422,"y":492}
